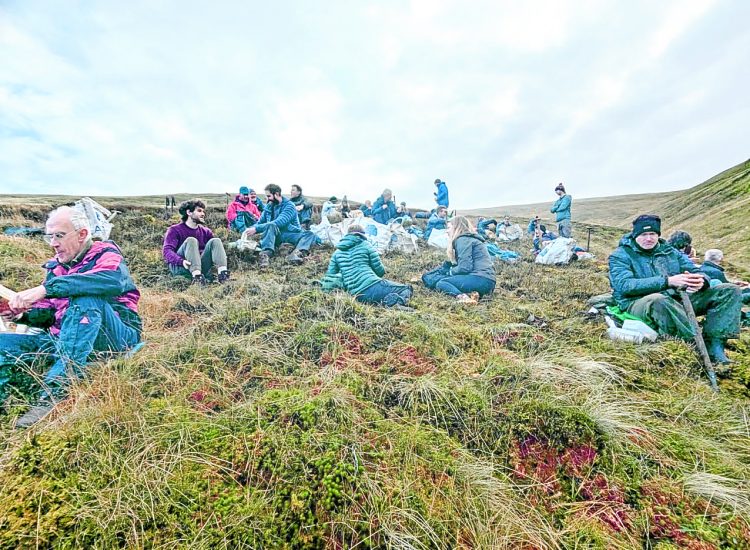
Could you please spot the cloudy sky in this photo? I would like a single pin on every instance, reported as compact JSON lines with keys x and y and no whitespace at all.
{"x":502,"y":99}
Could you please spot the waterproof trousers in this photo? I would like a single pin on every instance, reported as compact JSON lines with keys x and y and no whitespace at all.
{"x":89,"y":325}
{"x":213,"y":255}
{"x":565,"y":228}
{"x":721,"y":305}
{"x":273,"y":237}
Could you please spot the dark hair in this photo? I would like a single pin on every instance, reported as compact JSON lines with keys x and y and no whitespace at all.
{"x":298,"y":188}
{"x":272,"y":189}
{"x":190,"y":206}
{"x":680,"y":239}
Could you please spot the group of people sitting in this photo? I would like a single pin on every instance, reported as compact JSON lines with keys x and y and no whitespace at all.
{"x":88,"y":301}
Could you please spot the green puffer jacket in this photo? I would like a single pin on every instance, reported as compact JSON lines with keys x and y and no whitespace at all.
{"x":634,"y":273}
{"x":357,"y":263}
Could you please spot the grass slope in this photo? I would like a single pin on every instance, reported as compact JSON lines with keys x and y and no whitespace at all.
{"x":716,"y":213}
{"x":266,"y":414}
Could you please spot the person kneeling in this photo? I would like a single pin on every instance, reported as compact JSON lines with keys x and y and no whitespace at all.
{"x":356,"y":267}
{"x":279,"y":224}
{"x":87,"y":303}
{"x":470,"y":273}
{"x":646,"y":275}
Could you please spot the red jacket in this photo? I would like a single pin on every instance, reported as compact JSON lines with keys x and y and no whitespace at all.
{"x":238,"y":206}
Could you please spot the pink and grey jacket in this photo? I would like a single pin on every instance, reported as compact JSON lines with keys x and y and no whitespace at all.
{"x":238,"y":206}
{"x":101,"y":273}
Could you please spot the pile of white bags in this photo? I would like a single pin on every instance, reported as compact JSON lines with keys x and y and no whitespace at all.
{"x":509,"y":233}
{"x":557,"y":252}
{"x":382,"y":237}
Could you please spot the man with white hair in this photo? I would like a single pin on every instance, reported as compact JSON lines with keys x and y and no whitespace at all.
{"x":715,"y":271}
{"x":88,"y":302}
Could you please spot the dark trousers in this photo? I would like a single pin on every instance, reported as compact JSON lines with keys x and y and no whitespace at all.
{"x":386,"y":293}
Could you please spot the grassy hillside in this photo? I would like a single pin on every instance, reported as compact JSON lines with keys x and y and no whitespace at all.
{"x":266,"y":414}
{"x":716,"y":213}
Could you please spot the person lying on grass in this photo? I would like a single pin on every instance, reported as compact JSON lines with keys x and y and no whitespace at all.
{"x":356,"y":268}
{"x":88,"y":302}
{"x":646,"y":273}
{"x":190,"y":248}
{"x":279,"y":224}
{"x":469,"y":274}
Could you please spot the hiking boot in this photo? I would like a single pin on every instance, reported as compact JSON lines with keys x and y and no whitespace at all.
{"x":264,"y":260}
{"x":294,"y":258}
{"x":199,"y":280}
{"x":35,"y":414}
{"x":715,"y":348}
{"x":223,"y":276}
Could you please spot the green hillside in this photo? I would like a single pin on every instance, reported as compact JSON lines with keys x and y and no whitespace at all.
{"x":716,"y":212}
{"x":267,"y":414}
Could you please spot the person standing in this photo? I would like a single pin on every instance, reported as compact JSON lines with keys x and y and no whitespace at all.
{"x":561,"y":209}
{"x":190,"y":248}
{"x":441,"y":194}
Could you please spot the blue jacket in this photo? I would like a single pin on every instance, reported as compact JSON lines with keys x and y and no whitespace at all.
{"x":383,"y":215}
{"x":472,"y":257}
{"x":561,"y":208}
{"x":634,"y":273}
{"x":282,"y":215}
{"x":483,"y":224}
{"x":441,"y":195}
{"x":435,"y":222}
{"x":714,"y":271}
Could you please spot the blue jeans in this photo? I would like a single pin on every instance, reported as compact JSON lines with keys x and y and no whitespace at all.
{"x":90,"y":324}
{"x":459,"y":284}
{"x":387,"y":293}
{"x":273,"y":237}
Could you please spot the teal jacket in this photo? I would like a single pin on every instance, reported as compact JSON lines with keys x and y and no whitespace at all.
{"x":561,"y":208}
{"x":357,"y":265}
{"x":634,"y":273}
{"x":472,"y":257}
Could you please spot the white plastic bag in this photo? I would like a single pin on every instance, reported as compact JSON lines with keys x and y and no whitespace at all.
{"x":557,"y":252}
{"x":438,"y":239}
{"x":509,"y":233}
{"x":99,"y":217}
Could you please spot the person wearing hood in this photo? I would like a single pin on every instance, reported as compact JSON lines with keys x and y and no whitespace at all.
{"x":438,"y":220}
{"x":646,"y":273}
{"x":470,"y":273}
{"x":441,"y":194}
{"x":561,"y":209}
{"x":384,"y":209}
{"x":356,"y":268}
{"x":486,"y":226}
{"x":279,"y":224}
{"x":303,"y":206}
{"x":242,"y":212}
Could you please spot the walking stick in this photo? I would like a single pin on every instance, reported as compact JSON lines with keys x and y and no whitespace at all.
{"x":699,"y":343}
{"x":588,"y":241}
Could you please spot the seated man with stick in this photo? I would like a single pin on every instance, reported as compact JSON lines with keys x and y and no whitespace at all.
{"x":647,"y":276}
{"x":88,"y":302}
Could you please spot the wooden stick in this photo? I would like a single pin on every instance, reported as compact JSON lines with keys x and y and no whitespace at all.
{"x":699,"y":342}
{"x":7,"y":293}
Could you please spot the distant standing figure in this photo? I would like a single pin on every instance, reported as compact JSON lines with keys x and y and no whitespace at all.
{"x":441,"y":195}
{"x":561,"y":209}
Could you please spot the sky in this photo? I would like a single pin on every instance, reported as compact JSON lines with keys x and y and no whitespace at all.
{"x":500,"y":99}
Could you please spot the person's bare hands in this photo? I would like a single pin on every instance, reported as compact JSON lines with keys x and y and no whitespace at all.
{"x":23,"y":301}
{"x":186,"y":264}
{"x":250,"y":231}
{"x":689,"y":281}
{"x":299,"y":207}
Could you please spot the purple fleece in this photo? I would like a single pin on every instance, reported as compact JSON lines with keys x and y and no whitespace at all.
{"x":176,"y":235}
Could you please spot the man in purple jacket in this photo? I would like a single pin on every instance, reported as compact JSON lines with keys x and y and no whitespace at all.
{"x":190,"y":248}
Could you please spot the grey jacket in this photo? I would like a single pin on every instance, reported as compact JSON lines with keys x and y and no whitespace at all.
{"x":472,"y":257}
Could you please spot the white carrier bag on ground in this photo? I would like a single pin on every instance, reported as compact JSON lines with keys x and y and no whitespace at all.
{"x":99,"y":217}
{"x":438,"y":239}
{"x":402,"y":240}
{"x":509,"y":233}
{"x":557,"y":252}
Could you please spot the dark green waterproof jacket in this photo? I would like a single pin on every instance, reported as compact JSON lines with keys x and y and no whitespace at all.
{"x":357,"y":263}
{"x":472,"y":257}
{"x":634,"y":273}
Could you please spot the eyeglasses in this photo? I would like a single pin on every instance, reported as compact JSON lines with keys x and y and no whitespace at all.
{"x":58,"y":236}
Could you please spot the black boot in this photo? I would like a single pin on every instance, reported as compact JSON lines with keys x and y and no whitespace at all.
{"x":715,"y":348}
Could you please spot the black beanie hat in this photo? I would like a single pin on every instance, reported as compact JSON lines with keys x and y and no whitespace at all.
{"x":560,"y":187}
{"x":646,"y":223}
